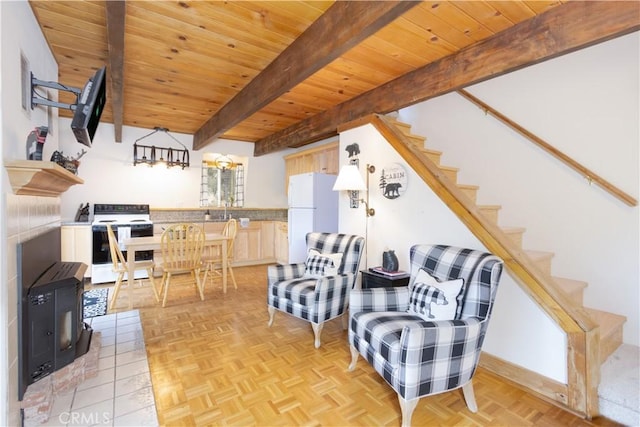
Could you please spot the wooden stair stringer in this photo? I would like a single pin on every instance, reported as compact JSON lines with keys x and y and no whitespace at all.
{"x":582,"y":332}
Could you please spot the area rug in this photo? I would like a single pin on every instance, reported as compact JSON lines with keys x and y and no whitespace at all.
{"x":94,"y":302}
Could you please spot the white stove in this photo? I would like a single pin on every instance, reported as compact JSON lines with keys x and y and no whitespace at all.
{"x":126,"y":221}
{"x":120,"y":214}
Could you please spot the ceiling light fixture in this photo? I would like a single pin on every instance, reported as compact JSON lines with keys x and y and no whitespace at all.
{"x":148,"y":154}
{"x":224,"y":162}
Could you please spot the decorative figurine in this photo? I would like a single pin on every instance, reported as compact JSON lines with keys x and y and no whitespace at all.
{"x":69,"y":163}
{"x":389,"y":261}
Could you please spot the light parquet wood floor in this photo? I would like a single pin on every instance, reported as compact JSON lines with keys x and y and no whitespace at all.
{"x":216,"y":362}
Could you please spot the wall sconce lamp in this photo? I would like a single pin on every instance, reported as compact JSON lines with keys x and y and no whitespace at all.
{"x":148,"y":154}
{"x":349,"y":179}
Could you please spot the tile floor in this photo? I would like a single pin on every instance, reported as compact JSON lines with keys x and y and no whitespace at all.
{"x":121,"y":393}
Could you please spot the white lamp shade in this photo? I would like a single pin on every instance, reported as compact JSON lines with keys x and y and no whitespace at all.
{"x":349,"y":179}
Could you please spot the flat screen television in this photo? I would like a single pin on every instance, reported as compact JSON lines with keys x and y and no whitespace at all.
{"x":89,"y":108}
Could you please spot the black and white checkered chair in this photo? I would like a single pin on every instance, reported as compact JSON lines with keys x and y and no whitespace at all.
{"x":322,"y":297}
{"x":418,"y":357}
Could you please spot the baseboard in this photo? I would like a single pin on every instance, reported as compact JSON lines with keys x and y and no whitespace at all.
{"x":545,"y":387}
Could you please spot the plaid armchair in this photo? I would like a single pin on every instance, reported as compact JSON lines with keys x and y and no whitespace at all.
{"x":316,"y":299}
{"x":419,"y":357}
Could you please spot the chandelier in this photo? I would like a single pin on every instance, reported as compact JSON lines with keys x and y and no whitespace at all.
{"x":224,"y":162}
{"x":151,"y":155}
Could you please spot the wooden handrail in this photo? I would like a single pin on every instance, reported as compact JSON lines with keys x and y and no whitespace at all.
{"x":588,"y":174}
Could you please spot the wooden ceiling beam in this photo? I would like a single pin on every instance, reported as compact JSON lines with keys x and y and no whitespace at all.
{"x":115,"y":68}
{"x":341,"y":27}
{"x":561,"y":30}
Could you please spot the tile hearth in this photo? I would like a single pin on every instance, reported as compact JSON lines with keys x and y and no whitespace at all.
{"x":121,"y":394}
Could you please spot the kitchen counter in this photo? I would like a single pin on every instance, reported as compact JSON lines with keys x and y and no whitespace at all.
{"x":170,"y":215}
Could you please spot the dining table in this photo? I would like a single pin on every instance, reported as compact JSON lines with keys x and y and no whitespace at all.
{"x":135,"y":244}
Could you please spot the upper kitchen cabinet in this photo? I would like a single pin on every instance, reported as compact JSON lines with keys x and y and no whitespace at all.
{"x":322,"y":159}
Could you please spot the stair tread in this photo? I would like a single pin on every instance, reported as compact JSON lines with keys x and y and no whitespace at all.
{"x":509,"y":229}
{"x":489,"y":207}
{"x":468,"y":186}
{"x":430,"y":151}
{"x":449,"y":168}
{"x":607,"y":321}
{"x":412,"y":136}
{"x":539,"y":254}
{"x":399,"y":123}
{"x":574,"y":289}
{"x":570,"y":285}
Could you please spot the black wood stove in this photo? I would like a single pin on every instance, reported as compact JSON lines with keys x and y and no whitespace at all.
{"x":52,"y":332}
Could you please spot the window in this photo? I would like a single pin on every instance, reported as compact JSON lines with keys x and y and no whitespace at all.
{"x":222,"y":186}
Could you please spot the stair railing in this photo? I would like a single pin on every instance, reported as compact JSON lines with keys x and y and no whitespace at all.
{"x":582,"y":170}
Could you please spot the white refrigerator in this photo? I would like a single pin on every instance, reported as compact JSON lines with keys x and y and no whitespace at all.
{"x":313,"y":206}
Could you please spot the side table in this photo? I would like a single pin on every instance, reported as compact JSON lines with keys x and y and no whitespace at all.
{"x":371,"y":279}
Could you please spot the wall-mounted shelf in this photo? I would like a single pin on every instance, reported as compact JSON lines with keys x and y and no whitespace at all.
{"x":38,"y":178}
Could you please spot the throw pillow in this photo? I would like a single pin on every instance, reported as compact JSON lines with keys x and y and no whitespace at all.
{"x":318,"y":266}
{"x":433,"y":300}
{"x":335,"y":257}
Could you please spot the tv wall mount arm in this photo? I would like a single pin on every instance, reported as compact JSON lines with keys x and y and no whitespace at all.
{"x":39,"y":100}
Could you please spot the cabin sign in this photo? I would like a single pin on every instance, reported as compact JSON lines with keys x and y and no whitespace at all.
{"x":393,"y":180}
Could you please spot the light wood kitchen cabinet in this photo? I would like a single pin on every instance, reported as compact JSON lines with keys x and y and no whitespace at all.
{"x":281,"y":242}
{"x":253,"y":244}
{"x":248,"y":245}
{"x":76,"y":245}
{"x":322,"y":159}
{"x":267,"y":240}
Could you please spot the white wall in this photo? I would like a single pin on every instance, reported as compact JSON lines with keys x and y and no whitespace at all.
{"x":4,"y":356}
{"x":586,"y":105}
{"x":110,"y":176}
{"x":22,"y":216}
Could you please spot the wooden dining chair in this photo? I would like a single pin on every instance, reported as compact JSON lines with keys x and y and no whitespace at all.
{"x":120,"y":267}
{"x":181,"y":246}
{"x":213,"y":264}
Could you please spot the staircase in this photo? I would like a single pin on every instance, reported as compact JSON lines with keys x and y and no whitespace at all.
{"x":600,"y":332}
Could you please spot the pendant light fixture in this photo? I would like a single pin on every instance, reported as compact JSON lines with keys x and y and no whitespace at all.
{"x":152,"y":155}
{"x":224,"y":162}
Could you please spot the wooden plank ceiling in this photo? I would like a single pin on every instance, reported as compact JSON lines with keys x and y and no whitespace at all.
{"x":261,"y":71}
